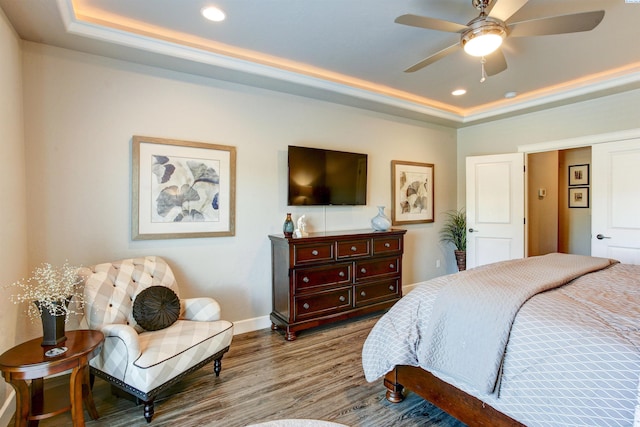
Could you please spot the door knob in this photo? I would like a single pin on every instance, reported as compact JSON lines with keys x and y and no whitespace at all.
{"x":600,"y":237}
{"x":471,"y":230}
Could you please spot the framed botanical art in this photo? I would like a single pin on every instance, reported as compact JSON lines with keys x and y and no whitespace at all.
{"x":412,"y":192}
{"x":182,"y":189}
{"x":579,"y":197}
{"x":579,"y":175}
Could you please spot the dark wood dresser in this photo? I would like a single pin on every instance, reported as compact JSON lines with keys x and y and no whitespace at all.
{"x":333,"y":276}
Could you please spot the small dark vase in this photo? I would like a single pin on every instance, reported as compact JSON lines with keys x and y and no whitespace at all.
{"x":52,"y":324}
{"x":287,"y":227}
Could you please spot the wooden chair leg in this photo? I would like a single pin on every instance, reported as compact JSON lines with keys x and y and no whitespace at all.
{"x":148,"y":410}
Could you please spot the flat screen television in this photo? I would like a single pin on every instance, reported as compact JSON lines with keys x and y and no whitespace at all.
{"x":319,"y":177}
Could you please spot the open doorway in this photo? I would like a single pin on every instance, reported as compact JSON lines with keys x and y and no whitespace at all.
{"x":553,"y":223}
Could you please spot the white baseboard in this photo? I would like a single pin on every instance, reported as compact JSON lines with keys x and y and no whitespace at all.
{"x":8,"y":407}
{"x":249,"y":325}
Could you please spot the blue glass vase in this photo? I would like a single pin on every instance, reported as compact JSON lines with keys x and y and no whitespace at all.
{"x":287,"y":228}
{"x":380,"y":222}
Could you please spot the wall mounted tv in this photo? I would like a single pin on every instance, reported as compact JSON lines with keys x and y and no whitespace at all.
{"x":326,"y":177}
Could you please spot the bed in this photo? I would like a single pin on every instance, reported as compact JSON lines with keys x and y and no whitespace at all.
{"x":552,"y":340}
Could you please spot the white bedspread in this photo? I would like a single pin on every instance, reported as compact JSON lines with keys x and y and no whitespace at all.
{"x":472,"y":315}
{"x":573,"y":354}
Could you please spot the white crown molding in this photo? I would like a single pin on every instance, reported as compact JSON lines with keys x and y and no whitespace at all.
{"x":605,"y":85}
{"x":369,"y":98}
{"x":75,"y":26}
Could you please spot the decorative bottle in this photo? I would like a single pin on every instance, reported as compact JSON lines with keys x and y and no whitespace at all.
{"x":380,"y":222}
{"x":287,"y":228}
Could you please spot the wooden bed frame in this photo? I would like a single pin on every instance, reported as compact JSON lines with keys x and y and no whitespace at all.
{"x":466,"y":408}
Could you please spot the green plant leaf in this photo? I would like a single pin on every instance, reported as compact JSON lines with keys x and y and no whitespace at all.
{"x":454,"y":229}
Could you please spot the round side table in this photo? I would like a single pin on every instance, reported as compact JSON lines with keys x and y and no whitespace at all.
{"x":27,"y":361}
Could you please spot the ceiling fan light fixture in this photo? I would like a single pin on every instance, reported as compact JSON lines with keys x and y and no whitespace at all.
{"x":483,"y":44}
{"x":484,"y":36}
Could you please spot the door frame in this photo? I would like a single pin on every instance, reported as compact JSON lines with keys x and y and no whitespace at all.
{"x":581,"y":141}
{"x":578,"y":142}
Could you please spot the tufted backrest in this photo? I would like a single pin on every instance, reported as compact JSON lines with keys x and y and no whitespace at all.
{"x":111,"y":288}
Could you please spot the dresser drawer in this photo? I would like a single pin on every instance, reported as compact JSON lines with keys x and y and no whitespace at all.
{"x":354,"y":248}
{"x":383,"y":245}
{"x":366,"y":269}
{"x":322,"y":304}
{"x":371,"y":293}
{"x":327,"y":277}
{"x":309,"y":279}
{"x":317,"y":252}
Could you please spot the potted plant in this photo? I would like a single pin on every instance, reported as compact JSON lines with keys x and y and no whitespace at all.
{"x":49,"y":291}
{"x":455,"y":231}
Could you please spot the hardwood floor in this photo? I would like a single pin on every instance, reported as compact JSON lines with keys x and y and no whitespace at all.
{"x":264,"y":378}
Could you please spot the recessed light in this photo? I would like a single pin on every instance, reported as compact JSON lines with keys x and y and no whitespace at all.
{"x":459,"y":92}
{"x":213,"y":14}
{"x":511,"y":94}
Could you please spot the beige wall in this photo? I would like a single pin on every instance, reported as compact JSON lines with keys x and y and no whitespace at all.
{"x":82,"y":111}
{"x":542,"y":210}
{"x":552,"y":225}
{"x":13,"y":251}
{"x":574,"y":223}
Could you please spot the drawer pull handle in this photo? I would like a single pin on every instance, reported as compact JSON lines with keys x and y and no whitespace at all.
{"x":305,"y":279}
{"x":341,"y":274}
{"x":314,"y":252}
{"x":392,"y":266}
{"x":363,"y":270}
{"x":305,"y":306}
{"x":363,"y":294}
{"x":387,"y":245}
{"x":342,"y":298}
{"x":392,"y":288}
{"x":353,"y":249}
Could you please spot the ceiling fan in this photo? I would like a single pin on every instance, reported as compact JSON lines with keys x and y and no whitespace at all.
{"x":483,"y":36}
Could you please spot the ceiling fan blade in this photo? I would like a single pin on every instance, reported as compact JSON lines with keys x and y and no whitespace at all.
{"x":561,"y":24}
{"x":430,"y":23}
{"x":504,"y":9}
{"x":496,"y":63}
{"x":433,"y":58}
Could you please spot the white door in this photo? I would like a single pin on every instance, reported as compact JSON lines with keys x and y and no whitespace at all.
{"x":495,"y":208}
{"x":615,"y":221}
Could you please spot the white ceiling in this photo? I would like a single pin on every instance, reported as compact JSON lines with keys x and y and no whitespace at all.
{"x":351,"y":51}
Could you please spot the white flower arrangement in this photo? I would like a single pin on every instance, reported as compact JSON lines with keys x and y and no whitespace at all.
{"x":50,"y":288}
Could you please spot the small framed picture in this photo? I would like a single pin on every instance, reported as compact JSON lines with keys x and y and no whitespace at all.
{"x":578,"y":175}
{"x":579,"y":197}
{"x":412,"y":192}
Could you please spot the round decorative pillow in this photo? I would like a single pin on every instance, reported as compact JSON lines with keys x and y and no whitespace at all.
{"x":156,"y":307}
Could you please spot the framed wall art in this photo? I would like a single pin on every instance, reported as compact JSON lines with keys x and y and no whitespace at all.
{"x":182,"y":189}
{"x":579,"y":175}
{"x":412,"y":192}
{"x":579,"y":197}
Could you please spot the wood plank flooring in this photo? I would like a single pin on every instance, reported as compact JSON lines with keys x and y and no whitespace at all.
{"x":264,"y":377}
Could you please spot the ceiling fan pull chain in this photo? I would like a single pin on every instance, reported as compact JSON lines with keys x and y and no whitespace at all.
{"x":484,"y":73}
